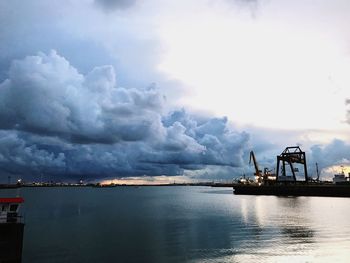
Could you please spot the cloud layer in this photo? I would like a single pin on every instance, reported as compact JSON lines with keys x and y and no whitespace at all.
{"x":56,"y":120}
{"x":44,"y":94}
{"x":336,"y":153}
{"x":110,"y":5}
{"x":61,"y":120}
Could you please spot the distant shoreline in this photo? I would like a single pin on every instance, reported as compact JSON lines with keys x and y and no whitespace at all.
{"x":41,"y":185}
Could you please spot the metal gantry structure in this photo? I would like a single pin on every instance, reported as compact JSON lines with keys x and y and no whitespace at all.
{"x":289,"y":156}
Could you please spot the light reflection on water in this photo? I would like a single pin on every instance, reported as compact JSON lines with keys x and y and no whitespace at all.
{"x":181,"y":224}
{"x":291,"y":229}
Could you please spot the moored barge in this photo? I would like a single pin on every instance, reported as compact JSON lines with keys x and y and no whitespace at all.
{"x":332,"y":190}
{"x":285,"y":183}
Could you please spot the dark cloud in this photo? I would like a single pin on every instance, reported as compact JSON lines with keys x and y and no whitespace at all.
{"x":22,"y":157}
{"x":110,"y":5}
{"x":57,"y":121}
{"x":44,"y":94}
{"x":335,"y":153}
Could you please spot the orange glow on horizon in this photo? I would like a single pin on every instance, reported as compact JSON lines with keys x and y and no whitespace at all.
{"x":147,"y":180}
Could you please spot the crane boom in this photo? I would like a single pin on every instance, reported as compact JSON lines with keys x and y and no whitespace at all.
{"x":257,"y":171}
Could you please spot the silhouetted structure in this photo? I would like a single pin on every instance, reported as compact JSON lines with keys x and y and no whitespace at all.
{"x":289,"y":156}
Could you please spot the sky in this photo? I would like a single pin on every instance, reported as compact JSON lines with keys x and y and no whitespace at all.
{"x":171,"y":90}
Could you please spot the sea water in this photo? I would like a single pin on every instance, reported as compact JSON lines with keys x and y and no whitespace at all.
{"x":180,"y":224}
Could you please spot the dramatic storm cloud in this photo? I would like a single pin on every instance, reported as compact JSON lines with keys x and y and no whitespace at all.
{"x":17,"y":156}
{"x":87,"y":126}
{"x":45,"y":94}
{"x":141,"y":87}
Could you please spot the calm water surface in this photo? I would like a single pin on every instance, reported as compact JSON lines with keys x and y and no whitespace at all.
{"x":181,"y":224}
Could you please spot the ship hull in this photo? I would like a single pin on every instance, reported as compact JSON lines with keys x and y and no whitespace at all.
{"x":11,"y":242}
{"x":293,"y":190}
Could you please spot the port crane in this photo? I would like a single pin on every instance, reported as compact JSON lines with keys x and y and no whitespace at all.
{"x":258,"y":173}
{"x":290,"y":155}
{"x":262,"y":177}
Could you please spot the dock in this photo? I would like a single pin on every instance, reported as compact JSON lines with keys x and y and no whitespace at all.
{"x":330,"y":190}
{"x":284,"y":182}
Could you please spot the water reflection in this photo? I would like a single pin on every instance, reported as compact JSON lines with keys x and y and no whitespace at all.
{"x":300,"y":233}
{"x":182,"y":224}
{"x":270,"y":229}
{"x":296,"y":229}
